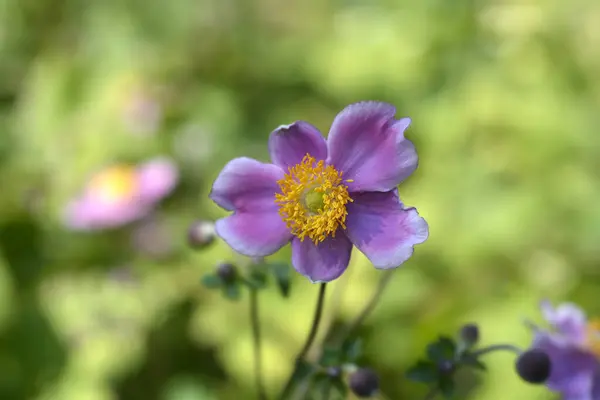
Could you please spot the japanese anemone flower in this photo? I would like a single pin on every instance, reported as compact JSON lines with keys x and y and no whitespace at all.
{"x":573,"y":345}
{"x":325,"y":195}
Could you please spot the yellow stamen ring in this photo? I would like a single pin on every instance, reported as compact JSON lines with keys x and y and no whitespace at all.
{"x":313,"y":200}
{"x":114,"y":184}
{"x":593,"y":337}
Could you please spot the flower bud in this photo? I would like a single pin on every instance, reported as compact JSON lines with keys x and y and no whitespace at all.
{"x":364,"y":382}
{"x":227,"y":272}
{"x":334,"y":372}
{"x":201,"y":234}
{"x":469,"y":334}
{"x":534,"y":366}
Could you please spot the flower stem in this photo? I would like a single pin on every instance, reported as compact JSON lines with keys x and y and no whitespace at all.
{"x":370,"y":306}
{"x":496,"y":347}
{"x":309,"y":341}
{"x":315,"y":323}
{"x":325,"y":393}
{"x":431,"y":394}
{"x":256,"y":336}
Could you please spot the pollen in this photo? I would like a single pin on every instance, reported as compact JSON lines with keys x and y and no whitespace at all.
{"x":313,"y":200}
{"x":593,"y":337}
{"x":114,"y":184}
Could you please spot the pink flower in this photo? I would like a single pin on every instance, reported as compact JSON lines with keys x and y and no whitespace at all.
{"x":121,"y":194}
{"x":324,"y":196}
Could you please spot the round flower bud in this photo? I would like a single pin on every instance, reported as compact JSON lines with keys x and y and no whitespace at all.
{"x":227,"y":272}
{"x":201,"y":234}
{"x":534,"y":366}
{"x":334,"y":372}
{"x":469,"y":334}
{"x":364,"y":382}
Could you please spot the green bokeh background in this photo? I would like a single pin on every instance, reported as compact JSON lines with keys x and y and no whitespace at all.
{"x":504,"y":97}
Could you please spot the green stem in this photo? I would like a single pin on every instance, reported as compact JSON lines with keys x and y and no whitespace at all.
{"x":431,"y":394}
{"x":325,"y":393}
{"x":315,"y":324}
{"x":256,"y":336}
{"x":496,"y":347}
{"x":309,"y":341}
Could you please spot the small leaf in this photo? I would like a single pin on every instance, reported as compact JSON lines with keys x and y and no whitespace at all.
{"x":332,"y":356}
{"x":328,"y":388}
{"x":211,"y":281}
{"x":282,"y":275}
{"x":446,"y":386}
{"x":339,"y":388}
{"x":232,"y":291}
{"x":469,"y":360}
{"x":257,"y":279}
{"x":302,"y":370}
{"x":423,"y":371}
{"x":442,"y":350}
{"x":352,"y":349}
{"x":319,"y":380}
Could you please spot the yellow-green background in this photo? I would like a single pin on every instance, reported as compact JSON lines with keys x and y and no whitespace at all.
{"x":504,"y":97}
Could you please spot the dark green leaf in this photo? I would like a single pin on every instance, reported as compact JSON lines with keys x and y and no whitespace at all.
{"x":442,"y":350}
{"x":332,"y":356}
{"x":423,"y":371}
{"x":211,"y":281}
{"x":232,"y":291}
{"x":282,"y":275}
{"x":257,"y":279}
{"x":328,"y":388}
{"x":471,"y":361}
{"x":21,"y":241}
{"x":352,"y":349}
{"x":302,"y":371}
{"x":339,"y":389}
{"x":446,"y":386}
{"x":319,"y":379}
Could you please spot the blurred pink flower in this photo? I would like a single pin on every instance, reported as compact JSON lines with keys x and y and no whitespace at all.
{"x":121,"y":194}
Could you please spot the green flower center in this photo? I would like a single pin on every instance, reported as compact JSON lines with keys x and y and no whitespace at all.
{"x":314,"y":201}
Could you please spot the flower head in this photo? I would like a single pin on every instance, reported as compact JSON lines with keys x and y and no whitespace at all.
{"x":573,"y":345}
{"x":534,"y":366}
{"x":324,"y":196}
{"x":121,"y":194}
{"x":364,"y":382}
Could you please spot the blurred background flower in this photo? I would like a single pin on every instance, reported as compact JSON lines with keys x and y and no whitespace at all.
{"x":504,"y":99}
{"x":121,"y":194}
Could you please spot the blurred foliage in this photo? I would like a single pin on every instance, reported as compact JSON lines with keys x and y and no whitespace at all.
{"x":504,"y":97}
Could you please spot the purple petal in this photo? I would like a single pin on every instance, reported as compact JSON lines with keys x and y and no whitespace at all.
{"x":567,"y":319}
{"x":245,"y":184}
{"x":596,"y":386}
{"x":368,"y":146}
{"x":323,"y":262}
{"x":572,"y":368}
{"x":89,"y":213}
{"x":156,"y":179}
{"x":254,"y":234}
{"x":288,"y":144}
{"x":379,"y":226}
